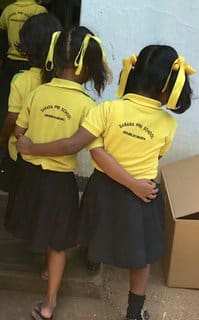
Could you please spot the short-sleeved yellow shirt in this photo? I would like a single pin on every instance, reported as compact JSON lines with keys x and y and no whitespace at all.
{"x":135,"y":130}
{"x":12,"y":20}
{"x":53,"y":111}
{"x":21,"y":86}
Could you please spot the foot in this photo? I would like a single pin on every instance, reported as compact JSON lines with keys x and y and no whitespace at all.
{"x":39,"y":312}
{"x":144,"y":316}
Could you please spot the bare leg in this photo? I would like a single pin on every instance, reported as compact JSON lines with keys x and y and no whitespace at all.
{"x":56,"y":265}
{"x":45,"y":264}
{"x":139,"y":280}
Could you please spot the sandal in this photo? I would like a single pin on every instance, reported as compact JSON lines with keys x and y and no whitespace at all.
{"x":36,"y":313}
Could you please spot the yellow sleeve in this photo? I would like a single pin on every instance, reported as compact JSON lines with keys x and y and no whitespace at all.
{"x":3,"y":24}
{"x":16,"y":96}
{"x":95,"y":121}
{"x":41,"y":9}
{"x":169,"y":138}
{"x":23,"y":118}
{"x":97,"y":143}
{"x":89,"y":105}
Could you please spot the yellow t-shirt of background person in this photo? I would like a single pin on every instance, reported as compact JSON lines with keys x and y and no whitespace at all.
{"x":53,"y":111}
{"x":22,"y":85}
{"x":135,"y":131}
{"x":12,"y":20}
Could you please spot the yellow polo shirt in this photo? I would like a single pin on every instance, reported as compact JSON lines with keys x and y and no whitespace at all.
{"x":12,"y":20}
{"x":136,"y":131}
{"x":53,"y":111}
{"x":21,"y":86}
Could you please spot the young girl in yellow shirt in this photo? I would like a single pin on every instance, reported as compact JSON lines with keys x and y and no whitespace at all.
{"x":119,"y":228}
{"x":34,"y":48}
{"x":12,"y":20}
{"x":43,"y":204}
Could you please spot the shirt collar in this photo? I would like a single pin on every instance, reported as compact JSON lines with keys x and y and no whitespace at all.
{"x":62,"y":83}
{"x":142,"y":100}
{"x":35,"y":69}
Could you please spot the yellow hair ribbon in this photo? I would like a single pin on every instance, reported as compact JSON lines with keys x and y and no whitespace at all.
{"x":49,"y":59}
{"x":128,"y":64}
{"x":79,"y":60}
{"x":183,"y":68}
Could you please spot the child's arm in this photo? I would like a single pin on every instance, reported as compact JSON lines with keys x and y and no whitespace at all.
{"x":144,"y":189}
{"x":8,"y":127}
{"x":16,"y":97}
{"x":19,"y":131}
{"x":74,"y":144}
{"x":56,"y":148}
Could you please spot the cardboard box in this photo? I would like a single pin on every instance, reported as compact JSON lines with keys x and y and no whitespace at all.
{"x":180,"y":184}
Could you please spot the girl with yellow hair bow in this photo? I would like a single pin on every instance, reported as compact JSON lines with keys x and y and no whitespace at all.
{"x":54,"y":110}
{"x":120,"y":229}
{"x":169,"y":83}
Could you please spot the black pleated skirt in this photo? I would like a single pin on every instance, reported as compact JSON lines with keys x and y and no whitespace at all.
{"x":119,"y":228}
{"x":43,"y":207}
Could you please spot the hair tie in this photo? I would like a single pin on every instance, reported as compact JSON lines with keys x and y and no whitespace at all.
{"x":49,"y":65}
{"x":79,"y":60}
{"x":183,"y":68}
{"x":128,"y":64}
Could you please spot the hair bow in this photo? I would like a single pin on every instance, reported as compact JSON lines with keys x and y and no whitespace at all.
{"x":79,"y":60}
{"x":183,"y":68}
{"x":128,"y":64}
{"x":49,"y":65}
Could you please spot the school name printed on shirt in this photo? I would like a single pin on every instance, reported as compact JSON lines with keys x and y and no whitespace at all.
{"x":18,"y":16}
{"x":60,"y":109}
{"x":141,"y":130}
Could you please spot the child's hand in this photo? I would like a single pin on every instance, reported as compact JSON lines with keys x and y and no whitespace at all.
{"x":24,"y":145}
{"x":145,"y":190}
{"x":19,"y":131}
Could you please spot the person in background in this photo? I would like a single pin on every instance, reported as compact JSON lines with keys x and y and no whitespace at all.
{"x":11,"y":21}
{"x":3,"y":35}
{"x":35,"y":49}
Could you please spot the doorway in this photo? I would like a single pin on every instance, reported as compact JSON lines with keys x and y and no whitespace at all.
{"x":67,"y":11}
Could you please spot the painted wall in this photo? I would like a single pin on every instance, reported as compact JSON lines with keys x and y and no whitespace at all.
{"x":125,"y":26}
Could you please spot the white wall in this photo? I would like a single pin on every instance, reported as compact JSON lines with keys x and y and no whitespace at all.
{"x":125,"y":26}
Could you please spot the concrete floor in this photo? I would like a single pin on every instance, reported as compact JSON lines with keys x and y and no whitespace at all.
{"x":178,"y":304}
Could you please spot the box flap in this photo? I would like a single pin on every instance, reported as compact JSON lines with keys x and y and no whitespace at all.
{"x":181,"y":181}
